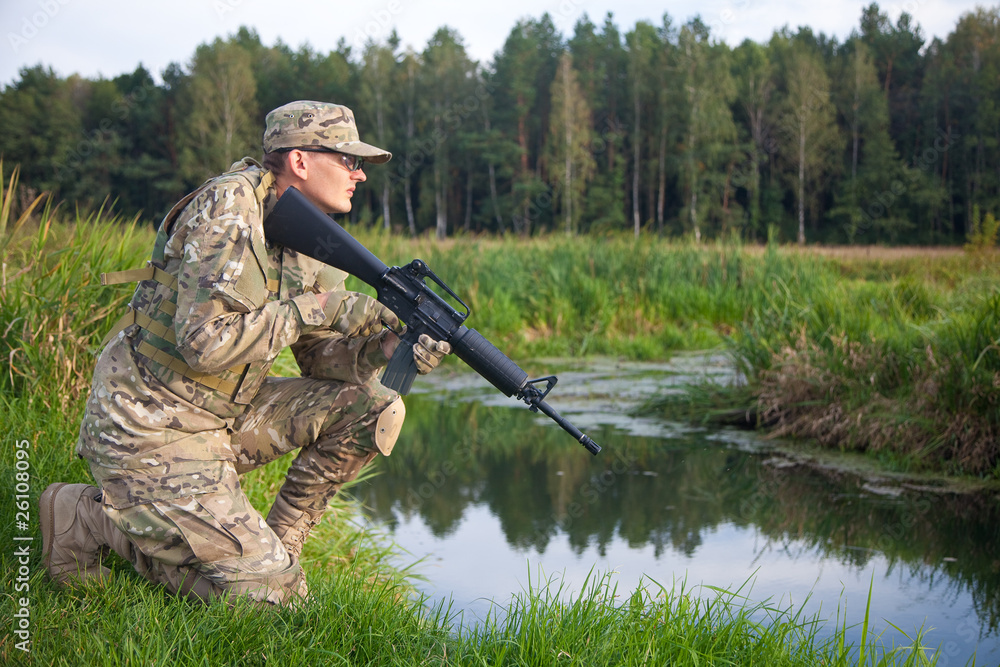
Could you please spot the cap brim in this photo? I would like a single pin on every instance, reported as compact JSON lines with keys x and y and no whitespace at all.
{"x":361,"y":149}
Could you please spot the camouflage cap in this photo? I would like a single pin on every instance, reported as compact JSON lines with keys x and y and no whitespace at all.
{"x":308,"y":123}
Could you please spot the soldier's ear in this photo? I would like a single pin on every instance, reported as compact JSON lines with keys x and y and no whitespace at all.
{"x":297,"y":163}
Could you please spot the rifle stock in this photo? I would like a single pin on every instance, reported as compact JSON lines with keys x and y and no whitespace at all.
{"x":297,"y":224}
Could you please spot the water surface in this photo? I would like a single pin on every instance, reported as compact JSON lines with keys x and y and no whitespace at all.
{"x":494,"y":499}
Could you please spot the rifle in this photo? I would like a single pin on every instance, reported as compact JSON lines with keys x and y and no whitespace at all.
{"x":297,"y":224}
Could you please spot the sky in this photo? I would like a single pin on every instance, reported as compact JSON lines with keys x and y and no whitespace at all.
{"x":105,"y":38}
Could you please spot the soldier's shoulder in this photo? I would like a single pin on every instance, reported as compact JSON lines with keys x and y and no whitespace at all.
{"x":230,"y":192}
{"x":241,"y":178}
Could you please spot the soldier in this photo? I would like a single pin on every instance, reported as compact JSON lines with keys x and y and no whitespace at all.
{"x":181,"y":403}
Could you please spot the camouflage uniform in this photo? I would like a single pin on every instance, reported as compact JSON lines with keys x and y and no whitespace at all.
{"x":182,"y":404}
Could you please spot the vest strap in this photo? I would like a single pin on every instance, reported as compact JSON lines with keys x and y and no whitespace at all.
{"x":146,"y":322}
{"x":135,"y":275}
{"x":162,"y":358}
{"x":259,"y":192}
{"x":151,"y":272}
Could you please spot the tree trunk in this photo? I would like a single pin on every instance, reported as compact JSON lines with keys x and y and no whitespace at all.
{"x":441,"y":224}
{"x":661,"y":195}
{"x":522,"y":135}
{"x":468,"y":200}
{"x":568,"y":138}
{"x":694,"y":215}
{"x":386,"y":224}
{"x":636,"y":160}
{"x":411,"y":220}
{"x":493,"y":197}
{"x":802,"y":181}
{"x":492,"y":177}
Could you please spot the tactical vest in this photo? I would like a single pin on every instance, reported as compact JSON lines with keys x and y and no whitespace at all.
{"x":149,"y":322}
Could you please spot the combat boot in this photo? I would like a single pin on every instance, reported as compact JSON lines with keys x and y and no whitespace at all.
{"x":291,"y":525}
{"x":76,"y":532}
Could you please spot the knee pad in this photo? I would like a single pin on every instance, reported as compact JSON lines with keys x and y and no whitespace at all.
{"x":388,"y":425}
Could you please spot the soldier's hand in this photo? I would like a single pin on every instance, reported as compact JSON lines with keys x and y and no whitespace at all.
{"x":355,"y":314}
{"x":428,"y":353}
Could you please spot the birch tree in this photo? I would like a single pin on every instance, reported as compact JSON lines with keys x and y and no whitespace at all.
{"x":448,"y":85}
{"x":223,"y":124}
{"x":709,"y":133}
{"x":809,"y":124}
{"x":643,"y":48}
{"x":379,"y":86}
{"x":571,"y":163}
{"x":752,"y":69}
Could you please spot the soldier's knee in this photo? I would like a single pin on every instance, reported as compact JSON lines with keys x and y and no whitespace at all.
{"x":388,"y":425}
{"x":282,"y":586}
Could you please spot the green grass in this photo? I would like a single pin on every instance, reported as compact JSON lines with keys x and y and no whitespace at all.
{"x":553,"y":296}
{"x":656,"y":625}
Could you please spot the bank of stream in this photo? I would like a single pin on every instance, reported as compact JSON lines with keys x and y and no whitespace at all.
{"x":491,"y":499}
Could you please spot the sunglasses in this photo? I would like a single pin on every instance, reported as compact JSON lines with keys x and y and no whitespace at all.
{"x":351,"y":162}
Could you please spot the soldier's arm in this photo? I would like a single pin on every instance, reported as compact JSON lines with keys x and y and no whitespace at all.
{"x":223,"y":315}
{"x":328,"y":355}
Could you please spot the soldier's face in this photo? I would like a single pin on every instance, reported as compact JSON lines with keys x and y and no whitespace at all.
{"x":328,"y":183}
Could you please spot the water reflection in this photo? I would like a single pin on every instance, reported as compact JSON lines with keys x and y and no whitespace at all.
{"x":489,"y":493}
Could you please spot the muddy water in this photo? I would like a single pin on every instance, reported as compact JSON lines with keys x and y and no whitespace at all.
{"x":494,"y":499}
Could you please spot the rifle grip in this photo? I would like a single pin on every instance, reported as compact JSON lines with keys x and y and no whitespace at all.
{"x":401,"y":370}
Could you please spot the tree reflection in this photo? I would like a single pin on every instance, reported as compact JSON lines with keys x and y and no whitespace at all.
{"x":667,"y":494}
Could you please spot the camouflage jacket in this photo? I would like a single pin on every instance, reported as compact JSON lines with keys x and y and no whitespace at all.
{"x":202,"y":334}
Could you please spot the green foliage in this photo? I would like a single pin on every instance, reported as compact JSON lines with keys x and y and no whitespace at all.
{"x":982,"y":234}
{"x":880,"y":139}
{"x":220,"y":120}
{"x":657,"y":625}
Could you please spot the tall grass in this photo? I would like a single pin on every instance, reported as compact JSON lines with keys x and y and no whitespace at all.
{"x":639,"y":299}
{"x":52,"y":307}
{"x":905,"y":364}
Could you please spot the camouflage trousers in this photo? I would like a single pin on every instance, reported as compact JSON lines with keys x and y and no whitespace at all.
{"x":217,"y":544}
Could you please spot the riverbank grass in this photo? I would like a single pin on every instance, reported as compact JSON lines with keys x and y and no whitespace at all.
{"x":656,"y":625}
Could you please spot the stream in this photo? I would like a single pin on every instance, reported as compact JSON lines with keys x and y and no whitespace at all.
{"x":492,"y":499}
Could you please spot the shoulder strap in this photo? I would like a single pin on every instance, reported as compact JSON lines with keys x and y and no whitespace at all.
{"x":260,"y":192}
{"x":135,"y":275}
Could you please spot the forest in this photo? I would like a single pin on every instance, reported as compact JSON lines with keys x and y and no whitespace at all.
{"x":885,"y":138}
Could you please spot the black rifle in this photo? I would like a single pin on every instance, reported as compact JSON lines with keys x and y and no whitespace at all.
{"x":297,"y":224}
